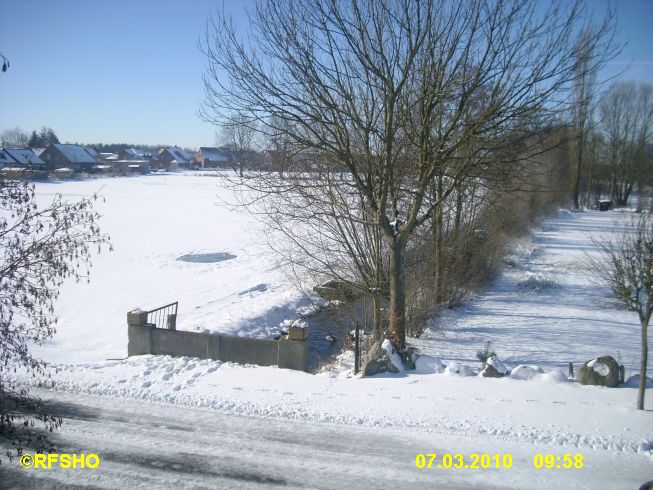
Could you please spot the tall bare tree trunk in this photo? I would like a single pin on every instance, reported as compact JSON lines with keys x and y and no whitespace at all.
{"x":438,"y":233}
{"x":397,"y":328}
{"x":579,"y":168}
{"x":643,"y":361}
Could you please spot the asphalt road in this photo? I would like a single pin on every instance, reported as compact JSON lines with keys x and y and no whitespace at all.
{"x":146,"y":445}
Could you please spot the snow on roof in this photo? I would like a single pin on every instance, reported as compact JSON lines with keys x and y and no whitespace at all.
{"x":6,"y":159}
{"x":178,"y":154}
{"x":216,"y":154}
{"x":24,"y":156}
{"x":136,"y":152}
{"x":38,"y":151}
{"x":91,"y":151}
{"x":76,"y":153}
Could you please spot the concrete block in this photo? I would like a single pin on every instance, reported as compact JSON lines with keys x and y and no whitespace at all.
{"x":293,"y":354}
{"x":137,"y":317}
{"x":138,"y":342}
{"x":178,"y":343}
{"x":297,"y":333}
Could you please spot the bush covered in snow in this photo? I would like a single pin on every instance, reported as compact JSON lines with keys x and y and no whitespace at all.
{"x":536,"y":282}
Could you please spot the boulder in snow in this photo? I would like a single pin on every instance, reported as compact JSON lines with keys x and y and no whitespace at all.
{"x":377,"y":360}
{"x":526,"y":372}
{"x":601,"y":371}
{"x":494,"y":368}
{"x":428,"y":365}
{"x":633,"y":381}
{"x":554,"y":377}
{"x":394,"y":356}
{"x":459,"y":369}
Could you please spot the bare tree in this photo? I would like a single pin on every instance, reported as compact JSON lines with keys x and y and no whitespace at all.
{"x":582,"y":110}
{"x":625,"y":265}
{"x":239,"y":134}
{"x":384,"y":91}
{"x":627,"y":122}
{"x":15,"y":137}
{"x":39,"y":248}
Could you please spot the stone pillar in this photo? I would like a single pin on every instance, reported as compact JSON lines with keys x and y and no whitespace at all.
{"x":138,"y":333}
{"x":293,"y":354}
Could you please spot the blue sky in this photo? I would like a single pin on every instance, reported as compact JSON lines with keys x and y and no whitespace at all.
{"x":130,"y":70}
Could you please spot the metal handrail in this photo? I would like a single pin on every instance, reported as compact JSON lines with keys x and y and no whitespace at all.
{"x":164,"y":316}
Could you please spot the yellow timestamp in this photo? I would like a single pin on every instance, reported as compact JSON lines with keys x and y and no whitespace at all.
{"x":459,"y":461}
{"x":554,"y":461}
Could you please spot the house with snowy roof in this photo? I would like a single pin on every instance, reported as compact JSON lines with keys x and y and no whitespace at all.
{"x":20,"y":157}
{"x":5,"y":159}
{"x":208,"y":157}
{"x":173,"y":156}
{"x":75,"y":157}
{"x":134,"y":154}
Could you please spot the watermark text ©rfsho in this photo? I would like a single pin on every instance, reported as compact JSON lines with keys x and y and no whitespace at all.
{"x":59,"y":460}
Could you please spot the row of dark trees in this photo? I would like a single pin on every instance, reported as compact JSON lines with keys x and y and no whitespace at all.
{"x":18,"y":138}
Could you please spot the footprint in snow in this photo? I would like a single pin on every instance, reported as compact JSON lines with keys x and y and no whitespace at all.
{"x":147,"y":384}
{"x":177,"y":388}
{"x":212,"y":369}
{"x":195,"y":375}
{"x":166,"y":376}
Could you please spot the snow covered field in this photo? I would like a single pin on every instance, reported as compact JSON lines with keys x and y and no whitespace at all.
{"x":544,"y":310}
{"x":154,"y":220}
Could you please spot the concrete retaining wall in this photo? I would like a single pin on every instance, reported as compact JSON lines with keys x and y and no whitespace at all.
{"x":147,"y":339}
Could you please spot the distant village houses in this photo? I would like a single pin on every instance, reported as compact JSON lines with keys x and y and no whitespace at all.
{"x":67,"y":160}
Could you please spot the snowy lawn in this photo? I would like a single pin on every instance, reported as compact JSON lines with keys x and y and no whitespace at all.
{"x":154,"y":220}
{"x":544,"y":311}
